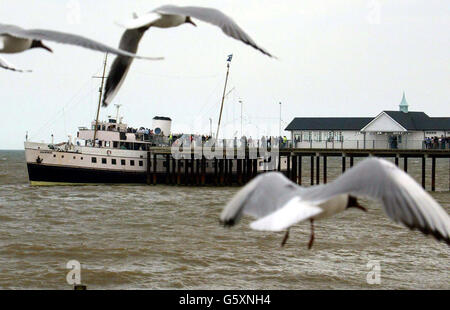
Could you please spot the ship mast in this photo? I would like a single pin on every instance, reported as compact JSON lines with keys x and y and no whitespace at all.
{"x":223,"y":96}
{"x":103,"y":77}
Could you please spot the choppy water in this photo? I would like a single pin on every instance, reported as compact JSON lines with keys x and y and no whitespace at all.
{"x":168,"y":237}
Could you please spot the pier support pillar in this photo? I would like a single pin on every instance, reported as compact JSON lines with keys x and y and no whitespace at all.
{"x":405,"y":164}
{"x":288,"y":167}
{"x":186,"y":171}
{"x":248,"y":167}
{"x":312,"y":170}
{"x":149,"y":164}
{"x":215,"y":172}
{"x":294,"y":169}
{"x":324,"y":169}
{"x":197,"y":171}
{"x":433,"y":174}
{"x":344,"y":161}
{"x":239,"y":171}
{"x":221,"y":171}
{"x":154,"y":169}
{"x":318,"y":169}
{"x":167,"y":168}
{"x":299,"y":170}
{"x":423,"y":171}
{"x":179,"y":171}
{"x":203,"y":177}
{"x":174,"y":176}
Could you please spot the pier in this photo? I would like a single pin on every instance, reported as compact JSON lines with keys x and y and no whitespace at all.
{"x":163,"y":168}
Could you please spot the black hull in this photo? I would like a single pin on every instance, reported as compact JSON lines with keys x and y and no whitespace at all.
{"x":42,"y":174}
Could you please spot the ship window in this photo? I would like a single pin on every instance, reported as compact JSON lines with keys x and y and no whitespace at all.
{"x":113,"y":161}
{"x":74,"y":157}
{"x":81,"y":158}
{"x":141,"y":163}
{"x":54,"y":155}
{"x":122,"y":162}
{"x":94,"y":159}
{"x":115,"y":144}
{"x":131,"y":162}
{"x":103,"y":160}
{"x":62,"y":156}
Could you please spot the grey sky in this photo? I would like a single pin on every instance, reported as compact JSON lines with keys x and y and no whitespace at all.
{"x":337,"y":58}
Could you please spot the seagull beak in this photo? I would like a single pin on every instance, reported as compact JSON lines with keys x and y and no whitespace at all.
{"x":353,"y":203}
{"x":45,"y":47}
{"x":189,"y":21}
{"x":39,"y":44}
{"x":358,"y":206}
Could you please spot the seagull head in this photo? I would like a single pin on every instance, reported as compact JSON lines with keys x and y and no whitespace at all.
{"x":38,"y":43}
{"x":353,"y":203}
{"x":189,"y":21}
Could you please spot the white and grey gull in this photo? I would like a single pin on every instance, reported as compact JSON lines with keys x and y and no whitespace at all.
{"x":278,"y":203}
{"x":167,"y":16}
{"x":15,"y":39}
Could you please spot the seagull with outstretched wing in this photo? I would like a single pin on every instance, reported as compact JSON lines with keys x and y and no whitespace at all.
{"x":278,"y":203}
{"x":167,"y":16}
{"x":15,"y":39}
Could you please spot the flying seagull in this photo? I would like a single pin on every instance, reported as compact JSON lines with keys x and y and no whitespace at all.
{"x":15,"y":40}
{"x":278,"y":203}
{"x":167,"y":16}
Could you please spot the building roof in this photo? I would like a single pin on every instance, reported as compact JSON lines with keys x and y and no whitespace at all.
{"x":419,"y":121}
{"x":411,"y":121}
{"x":328,"y":123}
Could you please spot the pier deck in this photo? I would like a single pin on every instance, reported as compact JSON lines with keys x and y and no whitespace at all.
{"x":192,"y":170}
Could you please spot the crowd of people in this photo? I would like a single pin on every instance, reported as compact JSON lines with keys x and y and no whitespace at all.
{"x":437,"y":143}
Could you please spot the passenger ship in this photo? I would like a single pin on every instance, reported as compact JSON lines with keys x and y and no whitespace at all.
{"x":118,"y":156}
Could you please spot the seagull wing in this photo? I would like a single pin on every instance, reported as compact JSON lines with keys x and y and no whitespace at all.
{"x":144,"y":20}
{"x":121,"y":65}
{"x":292,"y":212}
{"x":8,"y":66}
{"x":403,"y":199}
{"x":264,"y":195}
{"x":65,"y":38}
{"x":215,"y":17}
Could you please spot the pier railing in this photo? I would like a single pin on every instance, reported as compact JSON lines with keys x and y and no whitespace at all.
{"x":371,"y":145}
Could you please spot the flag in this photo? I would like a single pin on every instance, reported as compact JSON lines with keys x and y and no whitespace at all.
{"x":230,"y":57}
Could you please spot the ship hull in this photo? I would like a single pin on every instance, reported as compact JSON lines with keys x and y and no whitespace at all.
{"x":40,"y":174}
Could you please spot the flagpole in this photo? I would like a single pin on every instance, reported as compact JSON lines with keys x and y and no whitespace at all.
{"x":223,"y":96}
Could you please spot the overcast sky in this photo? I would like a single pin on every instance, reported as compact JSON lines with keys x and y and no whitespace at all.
{"x":336,"y":58}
